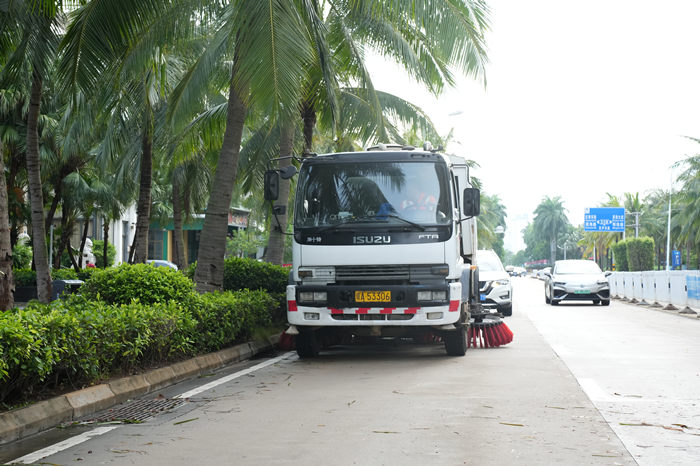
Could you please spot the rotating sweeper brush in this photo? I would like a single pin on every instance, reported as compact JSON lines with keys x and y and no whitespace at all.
{"x":487,"y":330}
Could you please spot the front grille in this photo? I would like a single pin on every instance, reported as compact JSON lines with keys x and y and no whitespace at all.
{"x":372,"y":272}
{"x":397,"y":274}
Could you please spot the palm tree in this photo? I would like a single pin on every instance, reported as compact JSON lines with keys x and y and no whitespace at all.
{"x":550,"y":219}
{"x":7,"y":280}
{"x":31,"y":29}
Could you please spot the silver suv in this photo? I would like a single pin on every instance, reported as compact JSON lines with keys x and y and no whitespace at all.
{"x":495,"y":288}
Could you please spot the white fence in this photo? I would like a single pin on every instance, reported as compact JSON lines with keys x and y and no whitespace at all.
{"x":680,"y":288}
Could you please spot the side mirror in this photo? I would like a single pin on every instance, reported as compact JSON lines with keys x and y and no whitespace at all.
{"x":288,"y":172}
{"x":272,"y":185}
{"x":472,"y":202}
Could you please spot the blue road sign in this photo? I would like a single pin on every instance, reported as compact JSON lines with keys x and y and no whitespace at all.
{"x":604,"y":219}
{"x":675,"y":259}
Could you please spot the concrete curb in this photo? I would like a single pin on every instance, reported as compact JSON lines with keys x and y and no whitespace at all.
{"x":46,"y":414}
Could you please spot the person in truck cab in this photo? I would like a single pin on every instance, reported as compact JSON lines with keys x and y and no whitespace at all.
{"x":417,"y":200}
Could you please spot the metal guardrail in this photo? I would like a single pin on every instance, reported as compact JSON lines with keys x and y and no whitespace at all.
{"x":680,"y":288}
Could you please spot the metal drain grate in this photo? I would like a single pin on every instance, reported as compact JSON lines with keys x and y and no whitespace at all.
{"x":138,"y":410}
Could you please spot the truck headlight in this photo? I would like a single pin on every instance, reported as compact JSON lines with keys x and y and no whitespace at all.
{"x":313,"y":296}
{"x":434,"y":295}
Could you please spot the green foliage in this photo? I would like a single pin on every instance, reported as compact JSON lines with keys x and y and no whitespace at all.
{"x":64,"y":274}
{"x":97,"y":246}
{"x":242,"y":273}
{"x":78,"y":340}
{"x":22,"y":256}
{"x":228,"y":316}
{"x":242,"y":243}
{"x":141,"y":282}
{"x":86,"y":273}
{"x":250,"y":274}
{"x":640,"y":253}
{"x":620,"y":254}
{"x":25,"y":277}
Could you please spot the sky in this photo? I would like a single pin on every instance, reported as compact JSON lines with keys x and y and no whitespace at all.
{"x":581,"y":99}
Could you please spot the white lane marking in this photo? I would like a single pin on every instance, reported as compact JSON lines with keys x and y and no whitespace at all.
{"x":60,"y":446}
{"x":235,"y":375}
{"x":78,"y":439}
{"x":594,"y":392}
{"x":561,"y":351}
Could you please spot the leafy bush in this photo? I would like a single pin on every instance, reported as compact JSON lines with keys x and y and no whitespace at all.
{"x":24,"y":277}
{"x":22,"y":256}
{"x":86,"y":273}
{"x":250,"y":274}
{"x":64,"y":274}
{"x":640,"y":253}
{"x":229,"y":316}
{"x":78,"y":341}
{"x":141,"y":282}
{"x":620,"y":255}
{"x":241,"y":274}
{"x":97,"y":246}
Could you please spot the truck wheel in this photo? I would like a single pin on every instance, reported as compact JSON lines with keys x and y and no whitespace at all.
{"x":507,"y":311}
{"x":307,"y":345}
{"x":456,"y":342}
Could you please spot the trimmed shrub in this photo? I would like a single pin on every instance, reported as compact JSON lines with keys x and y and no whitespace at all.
{"x":99,"y":257}
{"x":242,"y":273}
{"x":640,"y":253}
{"x":620,"y":254}
{"x":229,"y":316}
{"x":64,"y":274}
{"x":140,"y":282}
{"x":77,"y":341}
{"x":22,"y":256}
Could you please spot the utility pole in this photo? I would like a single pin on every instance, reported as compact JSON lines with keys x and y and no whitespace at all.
{"x":636,"y":223}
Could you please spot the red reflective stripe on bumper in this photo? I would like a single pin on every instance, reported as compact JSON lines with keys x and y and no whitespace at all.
{"x":411,"y":310}
{"x":362,"y":310}
{"x":454,"y":306}
{"x":292,"y":306}
{"x":387,"y":310}
{"x":335,"y":311}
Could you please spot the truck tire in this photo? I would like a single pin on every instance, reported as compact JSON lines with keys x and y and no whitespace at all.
{"x":456,"y":342}
{"x":307,"y":345}
{"x":506,"y":311}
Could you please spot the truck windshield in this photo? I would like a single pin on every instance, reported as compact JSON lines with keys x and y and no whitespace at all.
{"x":394,"y":193}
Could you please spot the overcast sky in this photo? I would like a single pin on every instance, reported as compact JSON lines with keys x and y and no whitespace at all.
{"x":582,"y":99}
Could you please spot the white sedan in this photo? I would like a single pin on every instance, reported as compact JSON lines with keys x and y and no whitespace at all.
{"x":576,"y":280}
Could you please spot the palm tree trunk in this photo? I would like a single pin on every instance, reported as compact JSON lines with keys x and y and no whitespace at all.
{"x":139,"y":247}
{"x":309,"y":116}
{"x":275,"y":245}
{"x":7,"y":279}
{"x":209,"y":275}
{"x":83,"y":238}
{"x":41,"y":262}
{"x":178,"y":243}
{"x":552,"y":250}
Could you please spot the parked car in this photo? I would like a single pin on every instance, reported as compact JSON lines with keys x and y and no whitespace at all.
{"x":577,"y":280}
{"x":495,"y":288}
{"x":161,"y":263}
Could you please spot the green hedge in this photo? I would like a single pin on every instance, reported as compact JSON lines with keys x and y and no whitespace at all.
{"x":22,"y":256}
{"x":27,"y":277}
{"x":141,"y":282}
{"x":97,"y":246}
{"x":640,"y":253}
{"x":620,"y":255}
{"x":77,"y":341}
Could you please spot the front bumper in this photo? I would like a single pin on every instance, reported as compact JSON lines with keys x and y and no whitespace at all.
{"x":415,"y":316}
{"x":499,"y":296}
{"x":581,"y":293}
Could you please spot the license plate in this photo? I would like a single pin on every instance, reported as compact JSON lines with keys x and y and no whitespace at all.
{"x":582,"y":291}
{"x":372,"y":296}
{"x":482,"y":297}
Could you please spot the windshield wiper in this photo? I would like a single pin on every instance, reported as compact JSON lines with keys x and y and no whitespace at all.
{"x":413,"y":224}
{"x":370,"y":219}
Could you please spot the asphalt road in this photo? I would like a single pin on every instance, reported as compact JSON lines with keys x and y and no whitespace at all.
{"x":580,"y":384}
